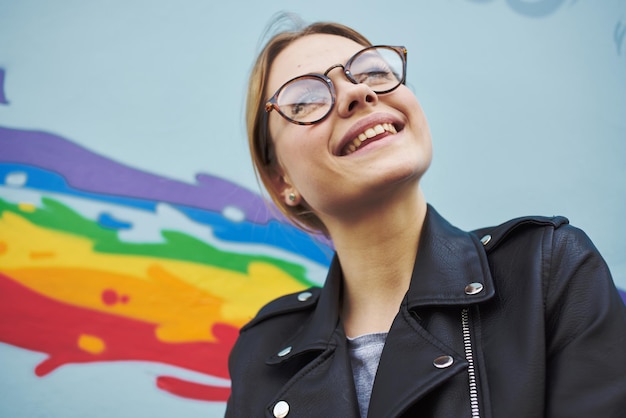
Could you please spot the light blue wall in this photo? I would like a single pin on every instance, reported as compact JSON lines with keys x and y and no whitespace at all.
{"x":526,"y":102}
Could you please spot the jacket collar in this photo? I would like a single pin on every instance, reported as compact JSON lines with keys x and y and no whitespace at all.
{"x":449,"y":268}
{"x":317,"y":333}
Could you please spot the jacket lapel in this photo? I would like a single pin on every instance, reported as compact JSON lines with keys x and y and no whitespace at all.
{"x":414,"y":361}
{"x":317,"y":333}
{"x":325,"y":386}
{"x":407,"y":368}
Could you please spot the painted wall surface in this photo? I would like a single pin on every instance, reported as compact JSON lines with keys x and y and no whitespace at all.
{"x":134,"y":240}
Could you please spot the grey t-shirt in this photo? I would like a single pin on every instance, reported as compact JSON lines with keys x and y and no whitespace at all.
{"x":365,"y":351}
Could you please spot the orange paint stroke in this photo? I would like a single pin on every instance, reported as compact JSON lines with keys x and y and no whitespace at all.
{"x":91,"y":344}
{"x":182,"y":312}
{"x":35,"y":322}
{"x":156,"y":289}
{"x":38,"y":255}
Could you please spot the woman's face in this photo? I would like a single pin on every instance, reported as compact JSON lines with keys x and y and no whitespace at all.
{"x":313,"y":159}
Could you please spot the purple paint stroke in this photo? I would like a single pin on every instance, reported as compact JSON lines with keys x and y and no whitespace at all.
{"x":88,"y":171}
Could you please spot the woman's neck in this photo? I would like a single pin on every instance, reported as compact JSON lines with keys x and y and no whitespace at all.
{"x":377,"y":253}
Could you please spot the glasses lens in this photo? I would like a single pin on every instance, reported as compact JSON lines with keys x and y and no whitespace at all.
{"x":380,"y":68}
{"x":305,"y":99}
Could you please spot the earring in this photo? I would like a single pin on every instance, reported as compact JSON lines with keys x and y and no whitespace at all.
{"x":292,"y":197}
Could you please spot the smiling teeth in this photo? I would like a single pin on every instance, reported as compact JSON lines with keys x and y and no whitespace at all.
{"x":369,"y":133}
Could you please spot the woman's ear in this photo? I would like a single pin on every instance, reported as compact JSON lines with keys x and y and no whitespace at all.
{"x":284,"y":188}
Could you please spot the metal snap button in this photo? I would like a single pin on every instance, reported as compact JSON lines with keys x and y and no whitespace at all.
{"x":486,"y":239}
{"x":443,"y":361}
{"x":281,"y":409}
{"x":284,"y":351}
{"x":304,"y":296}
{"x":473,"y":288}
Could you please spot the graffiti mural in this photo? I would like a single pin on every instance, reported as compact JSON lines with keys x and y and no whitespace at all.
{"x":100,"y":262}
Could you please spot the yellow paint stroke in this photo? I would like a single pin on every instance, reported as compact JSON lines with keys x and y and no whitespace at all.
{"x":185,"y":299}
{"x":91,"y":344}
{"x":27,"y":207}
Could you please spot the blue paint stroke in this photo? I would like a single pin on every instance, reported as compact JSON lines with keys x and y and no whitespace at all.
{"x":274,"y":233}
{"x":79,"y":166}
{"x":106,"y":220}
{"x":40,"y":179}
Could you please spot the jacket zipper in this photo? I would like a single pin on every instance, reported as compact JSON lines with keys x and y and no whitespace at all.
{"x":469,"y":356}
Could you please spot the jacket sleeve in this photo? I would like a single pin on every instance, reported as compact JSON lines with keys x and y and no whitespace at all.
{"x":586,"y":330}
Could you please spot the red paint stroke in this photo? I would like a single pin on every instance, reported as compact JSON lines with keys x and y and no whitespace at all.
{"x":111,"y":297}
{"x":36,"y":322}
{"x":192,"y":390}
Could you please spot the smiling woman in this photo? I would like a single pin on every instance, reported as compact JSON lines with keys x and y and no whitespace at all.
{"x":326,"y":180}
{"x":416,"y":317}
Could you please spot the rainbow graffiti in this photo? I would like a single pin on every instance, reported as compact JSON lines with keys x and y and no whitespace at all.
{"x":100,"y":262}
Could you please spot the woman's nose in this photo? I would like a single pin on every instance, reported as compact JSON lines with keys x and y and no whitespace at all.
{"x":350,"y":96}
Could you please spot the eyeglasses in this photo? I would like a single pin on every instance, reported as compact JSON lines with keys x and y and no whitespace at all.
{"x":309,"y":98}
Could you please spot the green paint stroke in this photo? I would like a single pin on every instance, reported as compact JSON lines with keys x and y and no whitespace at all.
{"x":177,"y":246}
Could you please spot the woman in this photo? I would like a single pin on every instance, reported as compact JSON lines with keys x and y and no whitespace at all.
{"x":416,"y":317}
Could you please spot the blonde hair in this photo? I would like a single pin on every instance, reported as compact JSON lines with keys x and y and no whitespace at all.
{"x":259,"y":141}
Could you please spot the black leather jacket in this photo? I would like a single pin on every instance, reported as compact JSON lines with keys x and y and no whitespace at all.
{"x":525,"y":322}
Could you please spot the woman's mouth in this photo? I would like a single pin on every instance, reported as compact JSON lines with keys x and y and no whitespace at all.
{"x":369,"y":135}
